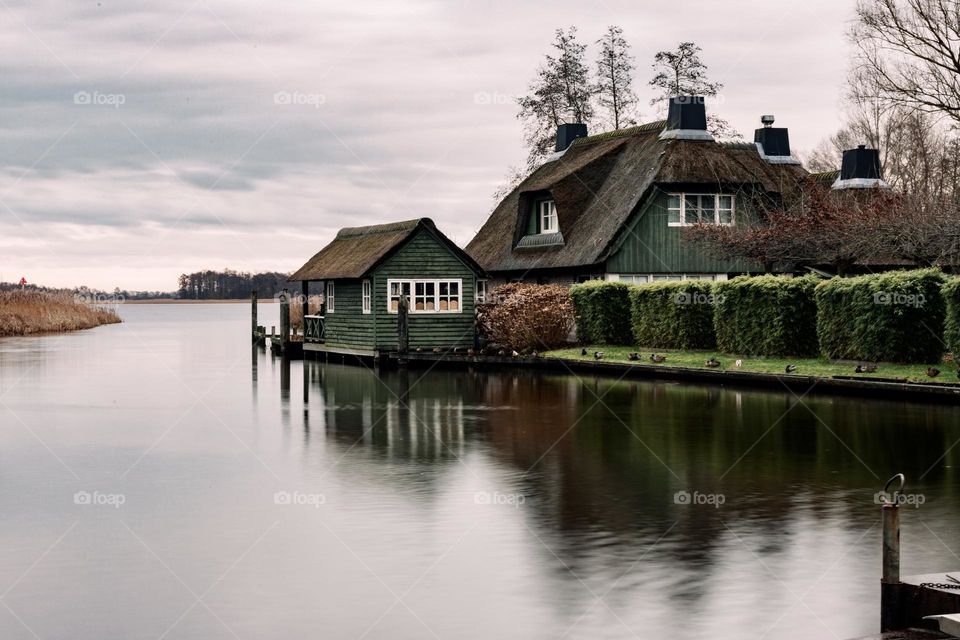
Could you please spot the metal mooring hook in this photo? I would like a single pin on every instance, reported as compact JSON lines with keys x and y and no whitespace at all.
{"x":896,"y":494}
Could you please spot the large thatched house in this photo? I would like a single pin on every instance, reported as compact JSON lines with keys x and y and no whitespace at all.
{"x":615,"y":205}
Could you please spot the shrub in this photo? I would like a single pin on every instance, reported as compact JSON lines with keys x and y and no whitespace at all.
{"x":673,"y":315}
{"x":602,"y":312}
{"x":528,"y":317}
{"x":767,"y":315}
{"x":951,"y":332}
{"x":896,"y":316}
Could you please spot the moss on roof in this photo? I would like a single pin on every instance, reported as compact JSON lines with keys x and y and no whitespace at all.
{"x":618,"y":133}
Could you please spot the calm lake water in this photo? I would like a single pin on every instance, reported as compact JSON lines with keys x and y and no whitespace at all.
{"x":161,"y":479}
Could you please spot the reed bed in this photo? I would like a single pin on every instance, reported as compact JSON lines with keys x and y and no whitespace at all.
{"x":296,"y":311}
{"x":28,"y":312}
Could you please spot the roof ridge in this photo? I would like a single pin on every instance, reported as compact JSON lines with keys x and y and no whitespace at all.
{"x":657,"y":125}
{"x":388,"y":227}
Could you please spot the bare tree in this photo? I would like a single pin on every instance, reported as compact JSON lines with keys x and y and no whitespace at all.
{"x":681,"y":72}
{"x":615,"y":78}
{"x":910,"y":50}
{"x":917,"y":153}
{"x":817,"y":226}
{"x":560,"y":93}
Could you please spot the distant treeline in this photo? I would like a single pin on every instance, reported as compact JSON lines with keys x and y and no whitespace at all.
{"x":92,"y":295}
{"x":226,"y":284}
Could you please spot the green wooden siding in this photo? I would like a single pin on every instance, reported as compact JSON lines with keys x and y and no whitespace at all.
{"x":424,"y":257}
{"x":651,"y":246}
{"x":347,"y":326}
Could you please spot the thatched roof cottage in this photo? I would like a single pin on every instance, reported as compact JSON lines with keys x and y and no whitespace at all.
{"x":365,"y":271}
{"x":614,"y":205}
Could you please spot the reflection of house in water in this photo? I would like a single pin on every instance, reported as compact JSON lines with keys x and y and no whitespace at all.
{"x":396,"y":413}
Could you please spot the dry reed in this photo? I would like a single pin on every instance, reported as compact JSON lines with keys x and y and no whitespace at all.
{"x":29,"y":311}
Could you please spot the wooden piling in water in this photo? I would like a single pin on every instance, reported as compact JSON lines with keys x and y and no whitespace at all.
{"x":305,"y":307}
{"x":253,"y":313}
{"x":403,"y":330}
{"x":890,"y":617}
{"x":284,"y":319}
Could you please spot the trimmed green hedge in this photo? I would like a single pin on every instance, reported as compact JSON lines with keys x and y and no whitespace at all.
{"x":673,"y":315}
{"x":767,"y":315}
{"x":951,"y":331}
{"x":603,"y":312}
{"x":896,"y":316}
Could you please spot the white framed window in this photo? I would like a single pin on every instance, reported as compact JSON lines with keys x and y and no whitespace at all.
{"x":480,"y":294}
{"x":330,"y":297}
{"x":397,"y":289}
{"x":686,"y":209}
{"x":632,"y":278}
{"x":643,"y":278}
{"x":548,"y":216}
{"x":426,"y":296}
{"x":365,"y":296}
{"x":724,"y":209}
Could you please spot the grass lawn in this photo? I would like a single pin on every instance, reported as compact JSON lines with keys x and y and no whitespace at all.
{"x":805,"y":366}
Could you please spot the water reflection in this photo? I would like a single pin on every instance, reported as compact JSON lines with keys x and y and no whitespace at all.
{"x":379,"y":410}
{"x":422,"y":474}
{"x":600,"y":463}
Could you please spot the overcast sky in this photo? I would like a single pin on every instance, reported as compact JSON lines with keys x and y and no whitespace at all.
{"x":143,"y":140}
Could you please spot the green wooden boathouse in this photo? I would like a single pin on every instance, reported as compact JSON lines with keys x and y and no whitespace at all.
{"x":366,"y":271}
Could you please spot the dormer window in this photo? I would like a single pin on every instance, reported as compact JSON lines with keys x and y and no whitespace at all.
{"x":547,"y":212}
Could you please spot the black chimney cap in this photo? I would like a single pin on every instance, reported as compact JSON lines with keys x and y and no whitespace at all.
{"x":567,"y":133}
{"x":774,"y":140}
{"x":860,"y":163}
{"x":860,"y":169}
{"x":687,"y":119}
{"x":687,"y":112}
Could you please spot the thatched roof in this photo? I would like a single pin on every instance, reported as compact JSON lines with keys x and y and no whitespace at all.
{"x":357,"y":250}
{"x":598,"y":183}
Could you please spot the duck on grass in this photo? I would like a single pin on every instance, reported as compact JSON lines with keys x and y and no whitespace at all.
{"x":938,"y":372}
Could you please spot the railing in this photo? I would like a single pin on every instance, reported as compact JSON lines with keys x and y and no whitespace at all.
{"x":313,"y":328}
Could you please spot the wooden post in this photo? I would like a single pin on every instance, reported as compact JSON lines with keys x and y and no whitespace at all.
{"x":403,"y":327}
{"x":890,"y":614}
{"x":284,"y":319}
{"x":253,"y":313}
{"x":305,"y":292}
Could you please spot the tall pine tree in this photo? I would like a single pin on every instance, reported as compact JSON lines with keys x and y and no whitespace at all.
{"x":614,"y":87}
{"x":682,"y":73}
{"x":561,"y":93}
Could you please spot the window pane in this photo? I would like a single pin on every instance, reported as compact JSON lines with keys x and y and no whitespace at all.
{"x":673,"y":209}
{"x":726,"y":216}
{"x":454,"y":288}
{"x":726,"y":202}
{"x":691,"y":213}
{"x":707,"y":214}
